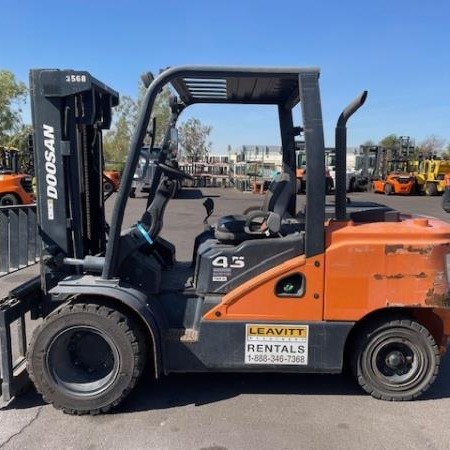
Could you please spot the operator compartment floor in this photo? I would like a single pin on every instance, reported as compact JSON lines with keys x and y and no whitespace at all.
{"x":178,"y":278}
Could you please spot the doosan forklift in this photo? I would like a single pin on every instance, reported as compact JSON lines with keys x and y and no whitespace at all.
{"x":357,"y":285}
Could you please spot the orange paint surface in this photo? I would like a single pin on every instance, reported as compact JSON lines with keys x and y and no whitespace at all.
{"x":114,"y":176}
{"x":376,"y":265}
{"x":366,"y":267}
{"x":10,"y":184}
{"x":256,"y":299}
{"x":404,"y":188}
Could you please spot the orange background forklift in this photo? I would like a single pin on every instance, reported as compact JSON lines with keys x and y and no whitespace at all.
{"x":15,"y":188}
{"x":111,"y":180}
{"x":358,"y":285}
{"x":393,"y":173}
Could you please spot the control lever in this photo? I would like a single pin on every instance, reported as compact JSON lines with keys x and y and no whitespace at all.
{"x":209,"y":206}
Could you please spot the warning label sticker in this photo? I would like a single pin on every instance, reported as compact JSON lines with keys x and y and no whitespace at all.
{"x":276,"y":344}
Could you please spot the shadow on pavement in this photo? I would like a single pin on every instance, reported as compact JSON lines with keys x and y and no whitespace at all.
{"x":201,"y":389}
{"x":29,"y":399}
{"x":189,"y":194}
{"x":204,"y":388}
{"x":441,"y":387}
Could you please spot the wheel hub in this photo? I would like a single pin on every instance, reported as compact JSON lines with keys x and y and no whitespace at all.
{"x":395,"y":360}
{"x":84,"y":361}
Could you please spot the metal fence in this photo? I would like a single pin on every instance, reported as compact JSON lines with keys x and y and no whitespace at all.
{"x":19,"y":238}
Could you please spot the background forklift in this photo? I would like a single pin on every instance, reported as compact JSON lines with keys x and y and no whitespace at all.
{"x":394,"y":172}
{"x":302,"y":167}
{"x":431,"y":176}
{"x":15,"y":188}
{"x":269,"y":291}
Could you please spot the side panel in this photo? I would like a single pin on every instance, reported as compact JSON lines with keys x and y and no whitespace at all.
{"x":379,"y":265}
{"x":257,"y":299}
{"x":222,"y":347}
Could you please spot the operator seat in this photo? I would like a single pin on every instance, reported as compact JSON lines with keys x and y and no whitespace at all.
{"x":276,"y":200}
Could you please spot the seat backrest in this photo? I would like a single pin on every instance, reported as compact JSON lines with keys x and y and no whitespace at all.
{"x":278,"y":195}
{"x":153,"y":217}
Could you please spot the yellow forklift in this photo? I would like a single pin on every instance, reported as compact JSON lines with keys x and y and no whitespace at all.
{"x":431,"y":176}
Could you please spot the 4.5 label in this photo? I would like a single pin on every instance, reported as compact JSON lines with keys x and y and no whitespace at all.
{"x":233,"y":262}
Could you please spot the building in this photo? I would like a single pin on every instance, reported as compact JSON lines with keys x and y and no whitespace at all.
{"x":213,"y":171}
{"x":254,"y":163}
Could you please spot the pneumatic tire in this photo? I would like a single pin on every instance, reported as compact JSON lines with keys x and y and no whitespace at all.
{"x":9,"y":200}
{"x":388,"y":189}
{"x":108,"y":187}
{"x":397,"y":360}
{"x":431,"y":189}
{"x":85,"y":358}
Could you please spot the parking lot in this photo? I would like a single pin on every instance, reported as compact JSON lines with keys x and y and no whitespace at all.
{"x":238,"y":411}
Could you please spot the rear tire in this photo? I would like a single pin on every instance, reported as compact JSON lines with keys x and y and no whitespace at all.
{"x":85,"y":358}
{"x":396,"y":360}
{"x":352,"y":185}
{"x":9,"y":200}
{"x":431,"y":189}
{"x":387,"y":189}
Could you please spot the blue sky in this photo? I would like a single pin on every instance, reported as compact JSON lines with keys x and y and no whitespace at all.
{"x":397,"y":50}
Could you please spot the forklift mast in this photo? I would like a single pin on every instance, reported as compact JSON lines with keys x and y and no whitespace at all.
{"x":69,"y":111}
{"x":9,"y":159}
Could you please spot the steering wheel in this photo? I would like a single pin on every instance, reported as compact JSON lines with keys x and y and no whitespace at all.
{"x":173,"y":173}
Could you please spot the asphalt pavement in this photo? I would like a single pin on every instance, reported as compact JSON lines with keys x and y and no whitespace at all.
{"x":237,"y":411}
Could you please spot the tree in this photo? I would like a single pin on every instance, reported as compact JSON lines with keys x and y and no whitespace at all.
{"x":20,"y":137}
{"x":12,"y":95}
{"x":117,"y":140}
{"x":431,"y":145}
{"x":446,"y":153}
{"x":193,"y":137}
{"x":368,"y":143}
{"x":161,"y":110}
{"x":389,"y":141}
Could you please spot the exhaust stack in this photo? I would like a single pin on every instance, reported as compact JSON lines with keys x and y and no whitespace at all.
{"x":341,"y":155}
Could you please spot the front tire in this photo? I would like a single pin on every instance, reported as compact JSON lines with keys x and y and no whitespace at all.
{"x":108,"y":187}
{"x":396,"y":360}
{"x":431,"y":189}
{"x":9,"y":200}
{"x":85,"y":358}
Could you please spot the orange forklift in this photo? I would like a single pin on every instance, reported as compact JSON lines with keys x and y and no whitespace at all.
{"x":15,"y":188}
{"x":355,"y":285}
{"x":394,"y":173}
{"x":301,"y":171}
{"x":111,"y":181}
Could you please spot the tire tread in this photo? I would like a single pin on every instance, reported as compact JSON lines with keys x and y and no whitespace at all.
{"x":393,"y":322}
{"x":131,"y":331}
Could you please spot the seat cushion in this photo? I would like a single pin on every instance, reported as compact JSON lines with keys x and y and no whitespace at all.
{"x":233,"y":223}
{"x":231,"y":228}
